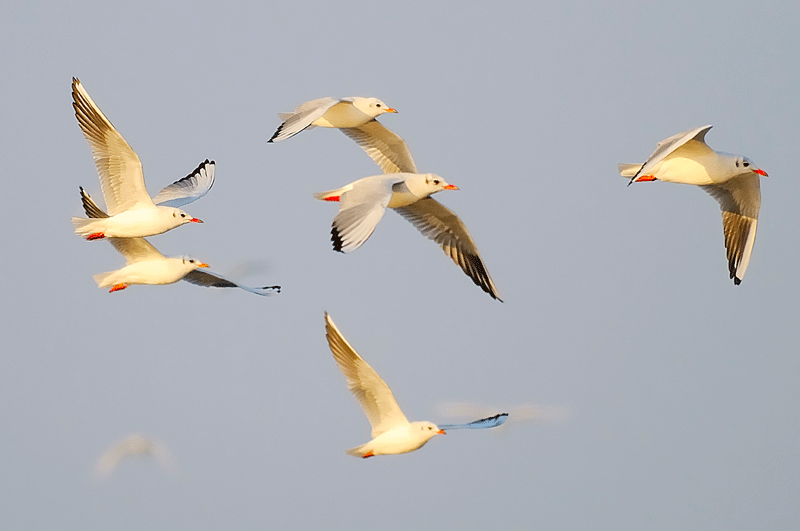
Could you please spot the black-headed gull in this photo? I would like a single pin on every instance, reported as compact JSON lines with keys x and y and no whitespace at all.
{"x":131,"y":445}
{"x":132,"y":212}
{"x":733,"y":180}
{"x":145,"y":265}
{"x":363,"y":202}
{"x":392,"y":433}
{"x":330,"y":112}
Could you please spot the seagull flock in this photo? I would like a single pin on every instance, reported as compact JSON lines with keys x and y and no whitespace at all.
{"x":132,"y":215}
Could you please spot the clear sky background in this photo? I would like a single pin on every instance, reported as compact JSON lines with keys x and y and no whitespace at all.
{"x":678,"y":391}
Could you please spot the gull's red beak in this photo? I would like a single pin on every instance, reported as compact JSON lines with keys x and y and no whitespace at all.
{"x":390,"y":109}
{"x":195,"y":220}
{"x":441,"y":432}
{"x":451,"y":187}
{"x":761,"y":172}
{"x":203,"y":264}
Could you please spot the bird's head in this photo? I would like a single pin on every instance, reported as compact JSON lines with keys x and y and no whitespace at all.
{"x":192,"y":263}
{"x":183,"y":218}
{"x":429,"y":429}
{"x":372,"y":106}
{"x":745,"y":165}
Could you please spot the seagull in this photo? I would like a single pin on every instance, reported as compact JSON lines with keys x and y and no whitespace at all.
{"x":135,"y":444}
{"x":339,"y":113}
{"x":363,"y":202}
{"x":145,"y":265}
{"x":132,"y":212}
{"x":733,"y":180}
{"x":392,"y":433}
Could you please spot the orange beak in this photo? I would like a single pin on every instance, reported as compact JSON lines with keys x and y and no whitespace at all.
{"x":451,"y":187}
{"x":761,"y":172}
{"x":441,"y":432}
{"x":195,"y":220}
{"x":203,"y":264}
{"x":391,"y":110}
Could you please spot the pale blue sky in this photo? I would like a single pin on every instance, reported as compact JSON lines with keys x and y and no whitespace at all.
{"x":681,"y":388}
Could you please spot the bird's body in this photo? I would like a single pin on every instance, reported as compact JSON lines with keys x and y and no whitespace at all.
{"x":398,"y":440}
{"x":131,"y":210}
{"x":733,"y":180}
{"x":336,"y":113}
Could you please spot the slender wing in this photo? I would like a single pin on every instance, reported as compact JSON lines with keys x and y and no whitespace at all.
{"x":213,"y":280}
{"x":441,"y":225}
{"x":302,"y":117}
{"x":133,"y":249}
{"x":387,"y":149}
{"x":669,"y":145}
{"x":120,"y":170}
{"x":360,"y":210}
{"x":190,"y":188}
{"x":489,"y":422}
{"x":132,"y":445}
{"x":740,"y":202}
{"x":373,"y":394}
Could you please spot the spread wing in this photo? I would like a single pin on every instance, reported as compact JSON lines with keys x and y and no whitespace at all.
{"x":489,"y":422}
{"x":120,"y":170}
{"x":190,"y":188}
{"x":373,"y":394}
{"x":669,"y":145}
{"x":302,"y":117}
{"x":441,"y":225}
{"x":740,"y":202}
{"x":213,"y":280}
{"x":387,"y":149}
{"x":360,"y":210}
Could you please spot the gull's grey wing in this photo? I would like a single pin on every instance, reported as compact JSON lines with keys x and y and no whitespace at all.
{"x":489,"y":422}
{"x":190,"y":188}
{"x":133,"y":249}
{"x":387,"y":149}
{"x":669,"y":145}
{"x":441,"y":225}
{"x":360,"y":210}
{"x":740,"y":202}
{"x":370,"y":390}
{"x":119,"y":167}
{"x":213,"y":280}
{"x":302,"y":117}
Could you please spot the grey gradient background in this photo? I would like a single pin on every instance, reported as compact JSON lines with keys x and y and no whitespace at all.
{"x":680,"y":389}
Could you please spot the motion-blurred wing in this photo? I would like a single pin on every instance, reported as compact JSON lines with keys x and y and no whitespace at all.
{"x":489,"y":422}
{"x":213,"y":280}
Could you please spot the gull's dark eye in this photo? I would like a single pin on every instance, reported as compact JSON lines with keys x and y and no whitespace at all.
{"x":377,"y":105}
{"x":183,"y":215}
{"x":436,"y":181}
{"x":745,"y":164}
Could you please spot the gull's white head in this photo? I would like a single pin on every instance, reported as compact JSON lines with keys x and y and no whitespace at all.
{"x":740,"y":165}
{"x":181,"y":217}
{"x":371,"y":106}
{"x":425,"y":184}
{"x":744,"y":165}
{"x":428,"y":430}
{"x":191,"y":263}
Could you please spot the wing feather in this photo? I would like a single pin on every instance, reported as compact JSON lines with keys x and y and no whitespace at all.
{"x":440,"y":224}
{"x":190,"y":188}
{"x":370,"y":390}
{"x":120,"y":170}
{"x":387,"y":149}
{"x":302,"y":117}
